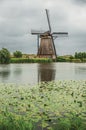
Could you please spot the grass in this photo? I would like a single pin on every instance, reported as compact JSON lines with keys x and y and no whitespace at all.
{"x":53,"y":105}
{"x":70,"y":59}
{"x":32,"y":60}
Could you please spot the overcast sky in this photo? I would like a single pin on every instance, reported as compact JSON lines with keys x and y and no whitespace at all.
{"x":18,"y":17}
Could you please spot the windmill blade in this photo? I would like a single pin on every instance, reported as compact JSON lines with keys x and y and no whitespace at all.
{"x":54,"y":37}
{"x":47,"y":13}
{"x":38,"y":43}
{"x":54,"y":45}
{"x":37,"y":32}
{"x":61,"y":34}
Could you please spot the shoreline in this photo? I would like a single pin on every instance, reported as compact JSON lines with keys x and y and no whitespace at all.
{"x":46,"y":60}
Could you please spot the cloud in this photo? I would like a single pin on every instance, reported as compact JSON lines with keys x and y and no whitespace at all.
{"x":80,"y":2}
{"x":18,"y":17}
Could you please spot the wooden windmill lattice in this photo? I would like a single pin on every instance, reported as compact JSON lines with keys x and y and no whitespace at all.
{"x":46,"y":47}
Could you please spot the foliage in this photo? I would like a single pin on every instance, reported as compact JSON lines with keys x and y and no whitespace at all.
{"x":50,"y":105}
{"x":17,"y":54}
{"x":67,"y":58}
{"x":28,"y":60}
{"x":60,"y":59}
{"x":77,"y":58}
{"x":71,"y":57}
{"x":4,"y":56}
{"x":80,"y":55}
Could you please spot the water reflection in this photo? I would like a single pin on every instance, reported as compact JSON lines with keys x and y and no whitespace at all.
{"x":34,"y":73}
{"x":80,"y":70}
{"x":4,"y":71}
{"x":46,"y":72}
{"x":17,"y":70}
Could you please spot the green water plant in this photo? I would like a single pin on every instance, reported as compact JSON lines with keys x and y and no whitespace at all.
{"x":52,"y":105}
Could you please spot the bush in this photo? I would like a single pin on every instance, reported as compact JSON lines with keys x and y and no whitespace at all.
{"x":27,"y":60}
{"x":4,"y":56}
{"x":60,"y":59}
{"x":17,"y":54}
{"x":84,"y":59}
{"x":76,"y":60}
{"x":80,"y":55}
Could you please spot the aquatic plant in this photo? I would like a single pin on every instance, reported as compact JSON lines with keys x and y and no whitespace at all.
{"x":52,"y":105}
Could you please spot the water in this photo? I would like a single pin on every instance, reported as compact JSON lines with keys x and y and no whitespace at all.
{"x":34,"y":73}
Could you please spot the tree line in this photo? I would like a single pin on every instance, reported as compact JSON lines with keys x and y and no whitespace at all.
{"x":5,"y":56}
{"x":80,"y":55}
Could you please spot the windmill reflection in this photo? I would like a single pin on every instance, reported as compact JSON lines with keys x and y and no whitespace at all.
{"x":46,"y":72}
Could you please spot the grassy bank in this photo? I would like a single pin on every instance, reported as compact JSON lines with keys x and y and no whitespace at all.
{"x":32,"y":60}
{"x":57,"y":105}
{"x":46,"y":60}
{"x":70,"y":59}
{"x":18,"y":57}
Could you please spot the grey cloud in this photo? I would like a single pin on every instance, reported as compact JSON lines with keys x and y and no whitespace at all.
{"x":18,"y":17}
{"x":80,"y":1}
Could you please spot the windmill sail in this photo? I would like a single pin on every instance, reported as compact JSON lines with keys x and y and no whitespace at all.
{"x":47,"y":13}
{"x":34,"y":32}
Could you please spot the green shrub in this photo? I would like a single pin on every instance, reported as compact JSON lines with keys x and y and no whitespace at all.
{"x":17,"y":54}
{"x":27,"y":60}
{"x":76,"y":60}
{"x":80,"y":55}
{"x":60,"y":59}
{"x":84,"y":59}
{"x":4,"y":56}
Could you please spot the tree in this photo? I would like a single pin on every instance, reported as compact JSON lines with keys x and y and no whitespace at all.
{"x":80,"y":55}
{"x":4,"y":56}
{"x":17,"y":54}
{"x":71,"y":57}
{"x":76,"y":55}
{"x":84,"y":54}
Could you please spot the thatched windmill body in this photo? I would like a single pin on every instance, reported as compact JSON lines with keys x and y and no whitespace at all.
{"x":45,"y":42}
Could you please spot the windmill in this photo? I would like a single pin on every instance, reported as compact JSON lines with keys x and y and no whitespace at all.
{"x":45,"y":40}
